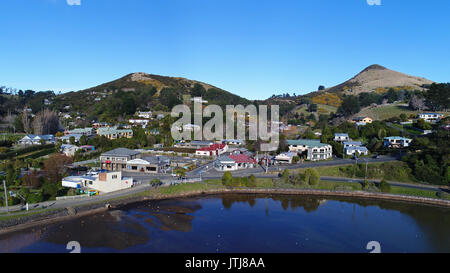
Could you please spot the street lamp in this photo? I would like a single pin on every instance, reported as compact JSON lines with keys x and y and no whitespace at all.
{"x":6,"y":196}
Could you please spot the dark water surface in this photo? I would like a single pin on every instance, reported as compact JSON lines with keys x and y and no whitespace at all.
{"x":246,"y":223}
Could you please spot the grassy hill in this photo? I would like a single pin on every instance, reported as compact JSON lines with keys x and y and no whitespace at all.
{"x":141,"y":91}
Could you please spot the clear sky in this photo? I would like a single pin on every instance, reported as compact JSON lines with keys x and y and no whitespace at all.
{"x":254,"y":48}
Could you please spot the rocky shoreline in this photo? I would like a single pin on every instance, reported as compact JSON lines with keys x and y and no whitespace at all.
{"x":59,"y":215}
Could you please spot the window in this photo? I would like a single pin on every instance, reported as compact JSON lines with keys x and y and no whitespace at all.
{"x":114,"y":176}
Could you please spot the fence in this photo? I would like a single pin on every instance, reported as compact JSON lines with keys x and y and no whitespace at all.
{"x":72,"y":197}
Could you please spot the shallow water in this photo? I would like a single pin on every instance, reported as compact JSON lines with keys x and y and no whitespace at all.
{"x":246,"y":223}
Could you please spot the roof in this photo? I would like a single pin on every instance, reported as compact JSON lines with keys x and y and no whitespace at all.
{"x":431,"y":114}
{"x":288,"y":154}
{"x":341,"y":134}
{"x":364,"y":149}
{"x":121,"y":152}
{"x":354,"y":143}
{"x":397,"y":137}
{"x":200,"y":142}
{"x":213,"y":147}
{"x":241,"y":158}
{"x":306,"y":142}
{"x":112,"y":130}
{"x":225,"y":158}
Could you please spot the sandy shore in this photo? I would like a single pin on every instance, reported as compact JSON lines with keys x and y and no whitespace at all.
{"x":61,"y":215}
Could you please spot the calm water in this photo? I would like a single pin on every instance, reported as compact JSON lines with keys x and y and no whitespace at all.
{"x":246,"y":223}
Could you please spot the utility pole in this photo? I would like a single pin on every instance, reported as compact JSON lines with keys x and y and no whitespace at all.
{"x":6,"y":196}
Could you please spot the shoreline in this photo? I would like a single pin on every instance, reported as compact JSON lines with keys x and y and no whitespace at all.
{"x":70,"y":213}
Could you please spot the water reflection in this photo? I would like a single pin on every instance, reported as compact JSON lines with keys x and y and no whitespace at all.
{"x":295,"y":224}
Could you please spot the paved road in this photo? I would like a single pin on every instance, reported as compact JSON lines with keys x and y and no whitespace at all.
{"x":211,"y":173}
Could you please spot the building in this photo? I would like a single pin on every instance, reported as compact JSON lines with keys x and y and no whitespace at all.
{"x":363,"y":120}
{"x":360,"y":150}
{"x":197,"y":144}
{"x":66,"y":138}
{"x":287,"y":157}
{"x":37,"y":140}
{"x":348,"y":144}
{"x":341,"y":137}
{"x":314,"y":149}
{"x":97,"y":125}
{"x":430,"y":117}
{"x":147,"y":114}
{"x":153,"y":164}
{"x":234,"y":162}
{"x":69,"y":149}
{"x":139,"y":122}
{"x":117,"y":159}
{"x":396,"y":142}
{"x":114,"y":133}
{"x":198,"y":100}
{"x":104,"y":182}
{"x":88,"y":131}
{"x":212,"y":150}
{"x":236,"y":142}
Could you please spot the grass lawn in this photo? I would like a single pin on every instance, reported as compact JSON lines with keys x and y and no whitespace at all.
{"x":391,"y":171}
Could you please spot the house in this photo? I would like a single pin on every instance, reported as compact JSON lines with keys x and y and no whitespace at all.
{"x":396,"y":142}
{"x":117,"y":159}
{"x":103,"y":182}
{"x":361,"y":124}
{"x":285,"y":157}
{"x":147,"y":114}
{"x":66,"y":138}
{"x":36,"y":140}
{"x":234,"y":162}
{"x":430,"y":117}
{"x":212,"y":150}
{"x":363,"y":119}
{"x":236,"y":142}
{"x":341,"y":137}
{"x":198,"y":144}
{"x":314,"y":149}
{"x":114,"y":133}
{"x":348,"y":144}
{"x":97,"y":125}
{"x":153,"y":164}
{"x":88,"y":131}
{"x":139,"y":122}
{"x":352,"y":150}
{"x":88,"y":148}
{"x":160,"y":116}
{"x":69,"y":149}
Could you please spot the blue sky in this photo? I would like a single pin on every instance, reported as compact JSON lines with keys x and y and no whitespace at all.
{"x":254,"y":48}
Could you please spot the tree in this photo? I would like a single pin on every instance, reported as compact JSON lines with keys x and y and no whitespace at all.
{"x":46,"y":122}
{"x":251,"y":181}
{"x":72,"y":140}
{"x":384,"y":186}
{"x":227,"y":178}
{"x":321,"y":87}
{"x":417,"y":103}
{"x":312,"y":176}
{"x":312,"y":107}
{"x":350,"y":105}
{"x":285,"y":176}
{"x":198,"y":90}
{"x":83,"y":140}
{"x":55,"y":166}
{"x":438,"y":96}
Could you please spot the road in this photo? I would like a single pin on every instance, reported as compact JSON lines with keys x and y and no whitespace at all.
{"x":208,"y":172}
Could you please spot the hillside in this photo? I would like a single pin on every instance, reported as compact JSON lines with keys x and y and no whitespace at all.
{"x":141,"y":91}
{"x":378,"y":78}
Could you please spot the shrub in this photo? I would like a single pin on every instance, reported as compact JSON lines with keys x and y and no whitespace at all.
{"x":384,"y":186}
{"x":227,"y":178}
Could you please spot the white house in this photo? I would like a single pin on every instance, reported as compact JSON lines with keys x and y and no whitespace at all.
{"x":139,"y":122}
{"x":144,"y":114}
{"x":198,"y":100}
{"x":360,"y":150}
{"x":103,"y":182}
{"x":36,"y":140}
{"x":234,"y":162}
{"x":68,"y":149}
{"x":285,"y":157}
{"x":430,"y":117}
{"x":341,"y":137}
{"x":396,"y":142}
{"x":314,"y":149}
